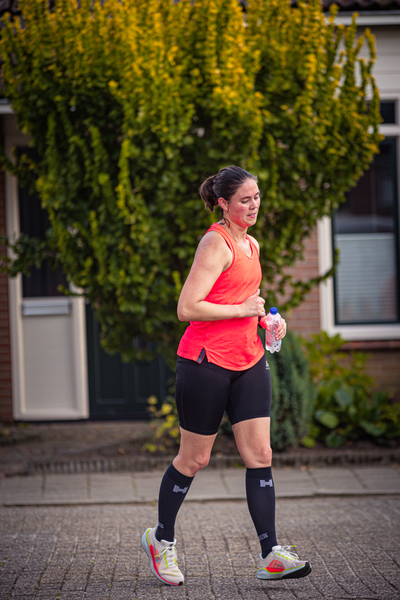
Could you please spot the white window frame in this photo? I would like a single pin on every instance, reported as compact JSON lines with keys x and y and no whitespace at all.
{"x":325,"y":245}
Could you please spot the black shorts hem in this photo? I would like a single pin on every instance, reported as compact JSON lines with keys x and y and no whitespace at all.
{"x":249,"y":417}
{"x":192,"y":430}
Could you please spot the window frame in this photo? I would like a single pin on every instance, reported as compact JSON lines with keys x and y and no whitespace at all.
{"x":355,"y":332}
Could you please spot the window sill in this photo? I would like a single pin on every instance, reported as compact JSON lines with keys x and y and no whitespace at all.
{"x":371,"y":345}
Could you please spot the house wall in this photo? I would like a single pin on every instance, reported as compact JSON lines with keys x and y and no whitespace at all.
{"x":305,"y":318}
{"x":384,"y":366}
{"x":383,"y":362}
{"x":6,"y":409}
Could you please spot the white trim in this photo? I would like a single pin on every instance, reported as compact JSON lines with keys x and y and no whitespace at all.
{"x":78,"y":323}
{"x":46,"y":414}
{"x":39,"y":307}
{"x":348,"y":332}
{"x":80,"y":356}
{"x":5,"y":108}
{"x":14,"y":288}
{"x":367,"y":20}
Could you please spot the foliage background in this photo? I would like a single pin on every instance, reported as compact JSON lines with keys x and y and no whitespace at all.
{"x":130,"y":105}
{"x":293,"y":394}
{"x":347,"y":405}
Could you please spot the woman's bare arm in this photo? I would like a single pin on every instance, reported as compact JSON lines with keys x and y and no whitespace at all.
{"x":212,"y":258}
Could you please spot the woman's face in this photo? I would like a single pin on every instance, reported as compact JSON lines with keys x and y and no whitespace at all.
{"x":244,"y":205}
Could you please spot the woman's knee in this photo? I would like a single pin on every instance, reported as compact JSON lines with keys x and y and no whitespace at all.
{"x":201,"y":461}
{"x":256,"y":458}
{"x":190,"y":465}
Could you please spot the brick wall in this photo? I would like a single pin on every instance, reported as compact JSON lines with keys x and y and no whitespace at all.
{"x":384,"y":367}
{"x":6,"y":414}
{"x":305,"y":319}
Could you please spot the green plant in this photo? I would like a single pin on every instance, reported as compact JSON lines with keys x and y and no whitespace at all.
{"x":165,"y":425}
{"x":129,"y":106}
{"x":346,"y":407}
{"x":293,"y":394}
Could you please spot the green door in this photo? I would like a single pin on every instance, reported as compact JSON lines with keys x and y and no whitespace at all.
{"x":118,"y":389}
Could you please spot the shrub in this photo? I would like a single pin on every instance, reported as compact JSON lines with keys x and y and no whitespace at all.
{"x":165,"y":425}
{"x":131,"y":104}
{"x":293,"y":394}
{"x":346,"y":406}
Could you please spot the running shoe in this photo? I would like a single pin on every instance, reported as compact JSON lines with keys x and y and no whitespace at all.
{"x":281,"y":563}
{"x":162,"y":557}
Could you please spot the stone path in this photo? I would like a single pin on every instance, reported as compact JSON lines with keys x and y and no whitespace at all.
{"x":93,"y":552}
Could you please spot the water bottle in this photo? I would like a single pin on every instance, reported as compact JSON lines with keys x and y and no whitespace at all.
{"x":273,"y":318}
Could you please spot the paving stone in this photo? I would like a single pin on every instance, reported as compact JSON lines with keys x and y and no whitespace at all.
{"x":146,"y":486}
{"x":384,"y":479}
{"x":208,"y":484}
{"x":68,"y":595}
{"x":74,"y":487}
{"x":123,"y":591}
{"x":46,"y":591}
{"x":119,"y":486}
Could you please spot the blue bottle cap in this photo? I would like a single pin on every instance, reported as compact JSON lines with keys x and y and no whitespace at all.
{"x":273,"y":310}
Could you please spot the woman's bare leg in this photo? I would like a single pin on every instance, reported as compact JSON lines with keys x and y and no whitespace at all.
{"x":194,"y":452}
{"x":253,"y":442}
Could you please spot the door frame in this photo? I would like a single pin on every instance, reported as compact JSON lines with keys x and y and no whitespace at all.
{"x":13,"y":137}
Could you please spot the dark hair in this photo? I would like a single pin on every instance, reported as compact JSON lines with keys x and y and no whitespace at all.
{"x":223,"y":185}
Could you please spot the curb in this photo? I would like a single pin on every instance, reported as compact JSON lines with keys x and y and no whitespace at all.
{"x":338,"y":458}
{"x":199,"y":500}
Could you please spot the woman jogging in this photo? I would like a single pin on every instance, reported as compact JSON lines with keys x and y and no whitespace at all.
{"x":221,"y":366}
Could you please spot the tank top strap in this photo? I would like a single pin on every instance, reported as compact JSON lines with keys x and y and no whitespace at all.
{"x":222,"y":231}
{"x":253,"y":246}
{"x":228,"y":238}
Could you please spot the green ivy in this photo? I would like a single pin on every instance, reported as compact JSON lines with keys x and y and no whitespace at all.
{"x":131,"y":104}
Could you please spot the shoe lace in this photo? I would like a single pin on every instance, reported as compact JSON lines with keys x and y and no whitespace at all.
{"x":169,"y":553}
{"x":287,"y":553}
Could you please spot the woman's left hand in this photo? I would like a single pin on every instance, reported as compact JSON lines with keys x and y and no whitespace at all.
{"x":281,"y":331}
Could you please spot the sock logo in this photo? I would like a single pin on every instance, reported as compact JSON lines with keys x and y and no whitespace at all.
{"x":263,"y":536}
{"x":160,"y":525}
{"x":179,"y":489}
{"x":264,"y":483}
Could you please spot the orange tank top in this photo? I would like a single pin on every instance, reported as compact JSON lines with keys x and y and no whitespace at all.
{"x":229,"y":343}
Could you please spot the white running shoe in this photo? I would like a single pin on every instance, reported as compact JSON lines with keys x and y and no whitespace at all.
{"x":281,"y":563}
{"x":162,"y":557}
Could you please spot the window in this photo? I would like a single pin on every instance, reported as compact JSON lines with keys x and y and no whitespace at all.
{"x":388,"y":112}
{"x":34,"y":222}
{"x":362,"y":301}
{"x":365,"y":230}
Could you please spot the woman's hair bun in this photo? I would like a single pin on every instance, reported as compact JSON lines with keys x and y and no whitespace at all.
{"x":208,"y":194}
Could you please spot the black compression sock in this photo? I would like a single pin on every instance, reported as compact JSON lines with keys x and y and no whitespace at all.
{"x":173,"y":490}
{"x":260,"y":494}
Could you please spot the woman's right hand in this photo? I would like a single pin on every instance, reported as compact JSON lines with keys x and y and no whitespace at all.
{"x":253,"y":306}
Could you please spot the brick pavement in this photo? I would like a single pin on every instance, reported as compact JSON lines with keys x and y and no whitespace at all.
{"x":93,"y":552}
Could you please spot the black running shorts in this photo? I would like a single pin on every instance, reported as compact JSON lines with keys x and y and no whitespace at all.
{"x":204,"y":391}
